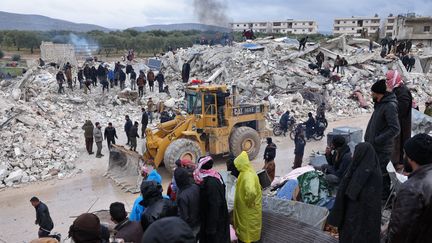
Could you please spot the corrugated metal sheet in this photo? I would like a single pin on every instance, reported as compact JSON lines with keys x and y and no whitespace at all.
{"x":278,"y":228}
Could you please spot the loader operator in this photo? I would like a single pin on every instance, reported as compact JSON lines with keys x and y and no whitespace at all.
{"x":221,"y":96}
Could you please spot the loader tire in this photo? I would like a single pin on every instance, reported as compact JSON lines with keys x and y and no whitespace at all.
{"x":178,"y":149}
{"x":245,"y":139}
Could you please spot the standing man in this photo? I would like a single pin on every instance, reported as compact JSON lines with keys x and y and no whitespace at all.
{"x":269,"y":156}
{"x":110,"y":135}
{"x":141,"y":82}
{"x":247,"y":213}
{"x":411,"y":63}
{"x":300,"y":143}
{"x":382,"y":128}
{"x":411,"y":212}
{"x":68,"y":73}
{"x":310,"y":126}
{"x":150,"y":109}
{"x":60,"y":80}
{"x":151,"y":79}
{"x":220,"y":101}
{"x":129,"y":231}
{"x":161,"y":80}
{"x":97,"y":134}
{"x":144,"y":121}
{"x":320,"y":59}
{"x":80,"y":78}
{"x":93,"y":73}
{"x":43,"y":218}
{"x":133,"y":135}
{"x":128,"y":125}
{"x":337,"y":64}
{"x":186,"y":72}
{"x":303,"y":42}
{"x":283,"y":122}
{"x":403,"y":95}
{"x":122,"y":78}
{"x":133,"y":79}
{"x":88,"y":135}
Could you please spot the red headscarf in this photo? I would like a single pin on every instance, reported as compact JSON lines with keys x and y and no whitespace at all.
{"x":394,"y":79}
{"x":199,"y":174}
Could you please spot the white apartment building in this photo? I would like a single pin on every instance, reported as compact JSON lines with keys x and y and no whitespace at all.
{"x":355,"y":26}
{"x":287,"y":27}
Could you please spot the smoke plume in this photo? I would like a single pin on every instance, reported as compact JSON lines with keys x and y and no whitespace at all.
{"x":82,"y":45}
{"x":212,"y":12}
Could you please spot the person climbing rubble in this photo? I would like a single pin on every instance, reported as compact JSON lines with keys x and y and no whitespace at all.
{"x":161,"y":80}
{"x":60,"y":80}
{"x":151,"y":79}
{"x":141,"y":82}
{"x":302,"y":43}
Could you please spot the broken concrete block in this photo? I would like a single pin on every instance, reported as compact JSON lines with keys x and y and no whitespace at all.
{"x":14,"y":176}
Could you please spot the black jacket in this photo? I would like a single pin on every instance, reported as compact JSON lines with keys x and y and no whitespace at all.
{"x":128,"y":125}
{"x":101,"y":71}
{"x":357,"y":209}
{"x":129,"y":231}
{"x":144,"y":119}
{"x":80,"y":75}
{"x":43,"y":218}
{"x":122,"y":76}
{"x":284,"y":120}
{"x":133,"y":75}
{"x":87,"y":72}
{"x":270,"y":152}
{"x":188,"y":197}
{"x":185,"y":72}
{"x":160,"y":78}
{"x":214,"y":212}
{"x":169,"y":229}
{"x":339,"y":162}
{"x":411,"y":218}
{"x":404,"y":99}
{"x":383,"y":125}
{"x":128,"y":69}
{"x":110,"y":133}
{"x":133,"y":132}
{"x":300,"y":144}
{"x":221,"y":96}
{"x":155,"y":206}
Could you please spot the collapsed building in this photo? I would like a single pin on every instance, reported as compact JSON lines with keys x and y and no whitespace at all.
{"x":41,"y":132}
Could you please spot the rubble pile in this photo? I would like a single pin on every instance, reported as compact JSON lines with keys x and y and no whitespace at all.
{"x":40,"y":130}
{"x":281,"y":73}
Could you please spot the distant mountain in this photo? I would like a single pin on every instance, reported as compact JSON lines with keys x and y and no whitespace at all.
{"x":13,"y":21}
{"x":183,"y":26}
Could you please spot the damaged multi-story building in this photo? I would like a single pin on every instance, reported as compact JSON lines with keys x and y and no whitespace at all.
{"x":409,"y":26}
{"x":289,"y":26}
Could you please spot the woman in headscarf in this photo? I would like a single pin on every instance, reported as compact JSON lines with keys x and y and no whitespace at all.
{"x":213,"y":205}
{"x":357,"y":209}
{"x":396,"y":85}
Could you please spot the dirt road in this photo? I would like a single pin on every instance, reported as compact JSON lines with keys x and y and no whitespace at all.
{"x":73,"y":196}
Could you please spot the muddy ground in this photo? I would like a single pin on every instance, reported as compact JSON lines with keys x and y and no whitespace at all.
{"x":90,"y":191}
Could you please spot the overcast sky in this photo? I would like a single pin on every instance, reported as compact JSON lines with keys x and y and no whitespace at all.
{"x":129,"y":13}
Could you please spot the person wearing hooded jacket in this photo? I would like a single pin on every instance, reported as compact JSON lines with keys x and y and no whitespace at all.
{"x":357,"y":209}
{"x":213,"y":204}
{"x":156,"y":207}
{"x":169,"y":229}
{"x":247,"y":215}
{"x":338,"y":161}
{"x":404,"y":98}
{"x":382,"y":128}
{"x":138,"y":209}
{"x":188,"y":199}
{"x":88,"y":135}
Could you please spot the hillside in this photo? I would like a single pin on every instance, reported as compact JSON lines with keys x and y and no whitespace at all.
{"x":183,"y":26}
{"x":12,"y":21}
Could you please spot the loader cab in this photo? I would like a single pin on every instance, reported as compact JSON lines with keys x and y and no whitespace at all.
{"x":203,"y":103}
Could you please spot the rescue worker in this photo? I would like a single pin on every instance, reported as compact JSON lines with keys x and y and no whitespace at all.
{"x":247,"y":213}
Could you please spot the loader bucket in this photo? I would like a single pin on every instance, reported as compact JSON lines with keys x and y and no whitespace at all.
{"x":124,"y":168}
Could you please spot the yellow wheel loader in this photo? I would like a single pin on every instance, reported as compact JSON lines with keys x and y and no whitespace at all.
{"x":208,"y":128}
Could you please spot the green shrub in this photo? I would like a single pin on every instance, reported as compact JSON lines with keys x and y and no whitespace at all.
{"x":1,"y":54}
{"x":16,"y":57}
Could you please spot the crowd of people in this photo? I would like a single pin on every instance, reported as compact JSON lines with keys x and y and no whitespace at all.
{"x":196,"y":211}
{"x":89,"y":77}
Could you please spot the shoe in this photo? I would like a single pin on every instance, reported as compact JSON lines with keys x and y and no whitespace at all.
{"x":91,"y":153}
{"x":98,"y":156}
{"x":102,"y":155}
